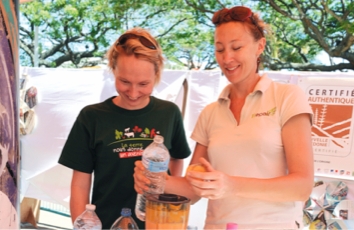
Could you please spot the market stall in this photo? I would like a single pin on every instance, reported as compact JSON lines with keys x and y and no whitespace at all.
{"x":61,"y":93}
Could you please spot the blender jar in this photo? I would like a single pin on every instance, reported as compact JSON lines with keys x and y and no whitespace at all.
{"x":166,"y":211}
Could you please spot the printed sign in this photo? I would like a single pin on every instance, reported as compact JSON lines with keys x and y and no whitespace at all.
{"x":332,"y":100}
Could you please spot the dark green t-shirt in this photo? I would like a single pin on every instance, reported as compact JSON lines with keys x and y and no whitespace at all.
{"x":106,"y":140}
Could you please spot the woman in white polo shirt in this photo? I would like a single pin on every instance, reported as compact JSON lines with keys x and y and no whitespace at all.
{"x":255,"y":140}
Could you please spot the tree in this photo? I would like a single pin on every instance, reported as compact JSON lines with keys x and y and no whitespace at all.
{"x":301,"y":30}
{"x":304,"y":28}
{"x":69,"y":30}
{"x":76,"y":31}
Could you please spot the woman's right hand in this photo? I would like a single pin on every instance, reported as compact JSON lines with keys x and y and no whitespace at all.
{"x":210,"y":183}
{"x":141,"y":182}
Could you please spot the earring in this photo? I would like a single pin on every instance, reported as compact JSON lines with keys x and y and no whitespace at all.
{"x":258,"y":61}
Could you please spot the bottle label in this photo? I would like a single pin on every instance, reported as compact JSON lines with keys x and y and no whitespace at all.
{"x":154,"y":166}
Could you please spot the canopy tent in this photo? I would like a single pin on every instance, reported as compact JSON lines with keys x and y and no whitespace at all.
{"x":63,"y":92}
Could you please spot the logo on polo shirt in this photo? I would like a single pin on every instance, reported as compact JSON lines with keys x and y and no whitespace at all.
{"x":270,"y":112}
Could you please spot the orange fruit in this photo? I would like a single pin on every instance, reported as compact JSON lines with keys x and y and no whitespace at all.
{"x":196,"y":167}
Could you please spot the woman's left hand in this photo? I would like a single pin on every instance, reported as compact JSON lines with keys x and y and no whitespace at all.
{"x":212,"y":184}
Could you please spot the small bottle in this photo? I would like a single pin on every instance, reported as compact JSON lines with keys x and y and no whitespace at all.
{"x":88,"y":219}
{"x":231,"y":226}
{"x":155,"y":159}
{"x":125,"y":221}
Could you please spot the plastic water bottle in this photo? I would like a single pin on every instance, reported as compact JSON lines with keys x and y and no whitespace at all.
{"x":88,"y":219}
{"x":125,"y":221}
{"x":155,"y":159}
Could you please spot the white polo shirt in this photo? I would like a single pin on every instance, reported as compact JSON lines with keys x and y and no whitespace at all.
{"x":251,"y":149}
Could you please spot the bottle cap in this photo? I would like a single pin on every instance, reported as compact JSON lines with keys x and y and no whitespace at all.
{"x":91,"y":207}
{"x":231,"y":226}
{"x":158,"y":139}
{"x":126,"y":212}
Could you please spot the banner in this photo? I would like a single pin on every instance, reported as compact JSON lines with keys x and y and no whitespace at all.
{"x":332,"y":100}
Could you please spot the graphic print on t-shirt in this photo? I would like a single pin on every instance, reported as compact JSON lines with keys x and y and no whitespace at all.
{"x":331,"y":130}
{"x":130,"y":140}
{"x":136,"y":132}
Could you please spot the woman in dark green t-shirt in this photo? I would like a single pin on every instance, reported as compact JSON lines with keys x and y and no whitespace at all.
{"x":107,"y":138}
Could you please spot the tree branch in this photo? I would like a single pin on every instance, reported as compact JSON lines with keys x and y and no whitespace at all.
{"x":309,"y":67}
{"x":198,"y":8}
{"x":171,"y":27}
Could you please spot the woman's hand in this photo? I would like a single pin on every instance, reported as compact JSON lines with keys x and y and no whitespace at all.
{"x":141,"y":182}
{"x":211,"y":184}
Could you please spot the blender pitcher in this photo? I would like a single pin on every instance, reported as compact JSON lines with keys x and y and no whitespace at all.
{"x":166,"y":211}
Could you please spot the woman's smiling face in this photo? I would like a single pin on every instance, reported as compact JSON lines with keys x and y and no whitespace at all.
{"x":236,"y":51}
{"x":135,"y":81}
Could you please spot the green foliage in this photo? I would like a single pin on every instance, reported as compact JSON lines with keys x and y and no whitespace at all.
{"x":72,"y":31}
{"x":302,"y":29}
{"x":289,"y":40}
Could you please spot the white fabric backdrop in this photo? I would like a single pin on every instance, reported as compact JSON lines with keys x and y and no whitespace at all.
{"x":61,"y":95}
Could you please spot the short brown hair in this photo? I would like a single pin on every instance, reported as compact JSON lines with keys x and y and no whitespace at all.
{"x":245,"y":15}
